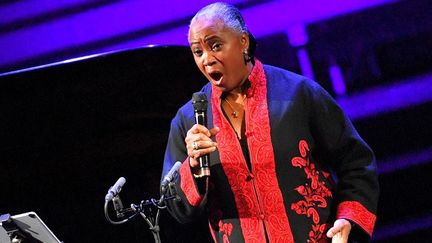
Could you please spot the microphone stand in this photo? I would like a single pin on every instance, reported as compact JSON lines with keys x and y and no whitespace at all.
{"x":149,"y":210}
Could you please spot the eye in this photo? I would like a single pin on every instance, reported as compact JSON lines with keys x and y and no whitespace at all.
{"x":197,"y":52}
{"x":216,"y":46}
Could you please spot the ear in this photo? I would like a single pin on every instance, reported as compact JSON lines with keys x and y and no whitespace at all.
{"x":244,"y":41}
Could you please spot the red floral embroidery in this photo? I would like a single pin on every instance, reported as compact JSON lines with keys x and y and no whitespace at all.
{"x":317,"y":233}
{"x":226,"y":230}
{"x":188,"y":186}
{"x":358,"y":213}
{"x":314,"y":194}
{"x":215,"y":216}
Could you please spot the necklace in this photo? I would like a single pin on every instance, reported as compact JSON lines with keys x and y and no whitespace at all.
{"x":234,"y":113}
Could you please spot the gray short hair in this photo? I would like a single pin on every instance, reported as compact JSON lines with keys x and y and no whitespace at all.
{"x":228,"y":14}
{"x":231,"y":18}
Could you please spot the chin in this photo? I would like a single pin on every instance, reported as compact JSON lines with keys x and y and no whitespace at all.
{"x":219,"y":87}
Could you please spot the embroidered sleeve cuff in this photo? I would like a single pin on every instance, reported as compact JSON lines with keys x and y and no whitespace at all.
{"x":188,"y":184}
{"x":357,"y":213}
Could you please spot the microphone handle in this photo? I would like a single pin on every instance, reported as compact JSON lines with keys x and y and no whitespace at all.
{"x":201,"y":119}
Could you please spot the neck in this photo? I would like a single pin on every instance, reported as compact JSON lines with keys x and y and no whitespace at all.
{"x":240,"y":90}
{"x":235,"y":95}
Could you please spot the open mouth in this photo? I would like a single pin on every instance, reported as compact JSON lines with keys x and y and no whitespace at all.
{"x":216,"y":75}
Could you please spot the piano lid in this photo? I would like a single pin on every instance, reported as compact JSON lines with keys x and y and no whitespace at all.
{"x":99,"y":92}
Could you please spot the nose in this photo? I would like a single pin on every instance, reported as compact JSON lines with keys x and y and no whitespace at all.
{"x":208,"y":59}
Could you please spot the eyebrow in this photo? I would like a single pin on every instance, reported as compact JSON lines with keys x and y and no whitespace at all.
{"x":208,"y":38}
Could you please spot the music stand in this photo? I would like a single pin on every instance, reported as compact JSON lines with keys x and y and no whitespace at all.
{"x":27,"y":227}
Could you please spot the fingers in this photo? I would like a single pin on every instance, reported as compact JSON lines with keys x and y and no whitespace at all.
{"x":193,"y":163}
{"x":197,"y":133}
{"x":198,"y":142}
{"x":340,"y":231}
{"x":200,"y":129}
{"x":197,"y":128}
{"x":337,"y":238}
{"x":214,"y":131}
{"x":196,"y":153}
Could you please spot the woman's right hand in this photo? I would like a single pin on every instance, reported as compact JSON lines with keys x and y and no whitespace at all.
{"x":199,"y":143}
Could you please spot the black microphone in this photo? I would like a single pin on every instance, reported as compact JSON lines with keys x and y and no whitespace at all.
{"x":115,"y":190}
{"x":169,"y":177}
{"x":199,"y":102}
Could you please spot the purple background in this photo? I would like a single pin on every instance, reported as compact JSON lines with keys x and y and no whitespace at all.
{"x":373,"y":56}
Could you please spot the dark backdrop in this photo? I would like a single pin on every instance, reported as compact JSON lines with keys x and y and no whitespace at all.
{"x":70,"y":130}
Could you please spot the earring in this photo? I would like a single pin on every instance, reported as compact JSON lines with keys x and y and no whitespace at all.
{"x":246,"y":56}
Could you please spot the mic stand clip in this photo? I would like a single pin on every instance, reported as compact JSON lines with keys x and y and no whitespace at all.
{"x":148,"y":209}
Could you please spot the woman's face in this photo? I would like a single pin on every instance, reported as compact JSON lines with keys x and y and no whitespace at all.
{"x":218,"y":53}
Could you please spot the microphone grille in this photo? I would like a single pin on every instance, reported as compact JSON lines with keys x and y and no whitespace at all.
{"x":199,"y":101}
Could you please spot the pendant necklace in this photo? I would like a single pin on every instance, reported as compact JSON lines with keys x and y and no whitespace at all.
{"x":234,"y":113}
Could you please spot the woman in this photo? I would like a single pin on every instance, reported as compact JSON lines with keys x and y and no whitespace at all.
{"x":286,"y":164}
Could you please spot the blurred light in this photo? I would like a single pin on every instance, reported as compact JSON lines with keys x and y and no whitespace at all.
{"x":405,"y":161}
{"x":337,"y":80}
{"x":403,"y":228}
{"x":385,"y":99}
{"x":304,"y":62}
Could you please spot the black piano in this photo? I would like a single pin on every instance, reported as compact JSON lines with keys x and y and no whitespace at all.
{"x":69,"y":130}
